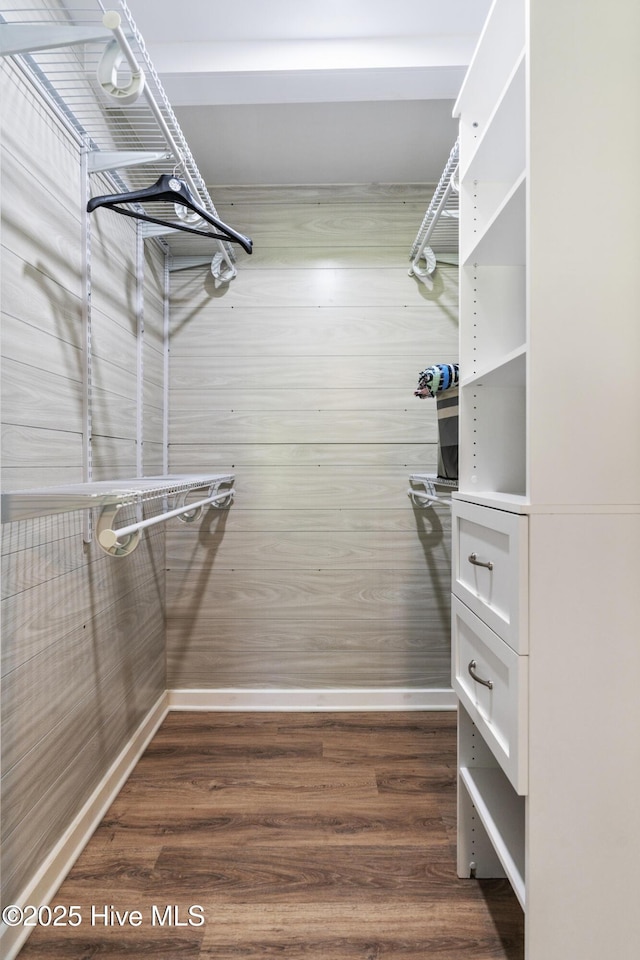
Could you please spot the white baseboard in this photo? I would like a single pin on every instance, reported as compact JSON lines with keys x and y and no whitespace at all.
{"x":52,"y":872}
{"x":303,"y":699}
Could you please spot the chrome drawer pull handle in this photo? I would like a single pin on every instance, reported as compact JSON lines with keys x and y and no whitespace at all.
{"x":485,"y":683}
{"x":473,"y":558}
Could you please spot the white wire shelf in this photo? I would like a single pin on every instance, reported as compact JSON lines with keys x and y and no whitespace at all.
{"x":438,"y":236}
{"x":110,"y":496}
{"x":131,"y":132}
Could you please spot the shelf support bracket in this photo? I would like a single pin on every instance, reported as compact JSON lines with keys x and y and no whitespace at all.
{"x":20,"y":38}
{"x":102,"y":160}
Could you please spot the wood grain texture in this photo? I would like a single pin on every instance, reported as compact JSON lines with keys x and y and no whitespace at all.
{"x":375,"y":399}
{"x":320,"y":836}
{"x":113,"y":341}
{"x":83,"y":636}
{"x":416,"y":457}
{"x":50,"y":609}
{"x":57,"y":350}
{"x":39,"y":143}
{"x":299,"y":330}
{"x":338,"y":426}
{"x":113,"y":376}
{"x":305,"y":653}
{"x":29,"y":719}
{"x":114,"y":457}
{"x":299,"y":378}
{"x":35,"y":397}
{"x":340,"y":485}
{"x":153,"y":365}
{"x":365,"y":550}
{"x":273,"y":375}
{"x":314,"y":519}
{"x":60,"y":550}
{"x":26,"y":450}
{"x":23,"y":535}
{"x":26,"y":846}
{"x":289,"y":257}
{"x":329,"y":224}
{"x":331,"y":287}
{"x":153,"y":459}
{"x":234,"y":196}
{"x":319,"y":593}
{"x":47,"y":236}
{"x":60,"y":735}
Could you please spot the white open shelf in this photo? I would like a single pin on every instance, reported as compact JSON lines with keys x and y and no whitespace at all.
{"x":493,"y":431}
{"x":501,"y":239}
{"x":502,"y":814}
{"x":499,"y":46}
{"x":494,"y":299}
{"x":500,"y":151}
{"x":508,"y":371}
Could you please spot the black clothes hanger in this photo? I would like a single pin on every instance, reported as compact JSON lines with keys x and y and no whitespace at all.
{"x":170,"y":190}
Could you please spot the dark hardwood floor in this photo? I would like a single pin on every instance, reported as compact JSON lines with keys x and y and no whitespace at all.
{"x":314,"y":836}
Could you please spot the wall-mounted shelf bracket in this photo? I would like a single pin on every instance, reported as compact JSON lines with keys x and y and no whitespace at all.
{"x":21,"y":38}
{"x":186,"y":262}
{"x":221,"y":271}
{"x":150,"y":230}
{"x":98,"y":161}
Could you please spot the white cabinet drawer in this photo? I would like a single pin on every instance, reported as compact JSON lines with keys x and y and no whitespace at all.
{"x":499,"y":705}
{"x":490,"y":553}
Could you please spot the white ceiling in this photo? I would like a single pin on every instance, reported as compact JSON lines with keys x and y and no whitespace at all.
{"x":296,"y":92}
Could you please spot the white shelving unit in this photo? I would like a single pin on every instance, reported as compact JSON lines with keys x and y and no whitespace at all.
{"x":546,"y":522}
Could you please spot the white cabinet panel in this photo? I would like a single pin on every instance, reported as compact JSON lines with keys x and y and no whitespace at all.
{"x":490,"y":568}
{"x":491,"y":682}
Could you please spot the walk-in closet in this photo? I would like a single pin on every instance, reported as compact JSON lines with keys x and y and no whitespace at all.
{"x":320,"y":480}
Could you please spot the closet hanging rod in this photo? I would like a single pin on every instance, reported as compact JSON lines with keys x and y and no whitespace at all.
{"x":120,"y":541}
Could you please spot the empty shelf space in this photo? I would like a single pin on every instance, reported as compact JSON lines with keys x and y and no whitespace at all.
{"x":500,"y":151}
{"x":501,"y":239}
{"x":509,"y":371}
{"x":501,"y":812}
{"x":501,"y":41}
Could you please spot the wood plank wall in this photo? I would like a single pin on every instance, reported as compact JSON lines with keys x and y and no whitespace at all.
{"x":299,"y":377}
{"x":82,"y":633}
